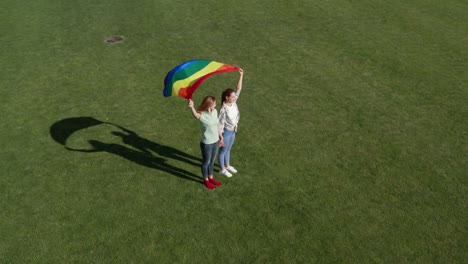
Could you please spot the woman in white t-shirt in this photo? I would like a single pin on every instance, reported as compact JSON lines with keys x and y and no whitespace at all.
{"x":228,"y":119}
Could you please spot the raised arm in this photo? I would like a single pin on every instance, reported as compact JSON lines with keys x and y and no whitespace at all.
{"x":239,"y":83}
{"x":192,"y":108}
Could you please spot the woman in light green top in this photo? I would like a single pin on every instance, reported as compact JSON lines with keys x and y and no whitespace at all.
{"x":208,"y":117}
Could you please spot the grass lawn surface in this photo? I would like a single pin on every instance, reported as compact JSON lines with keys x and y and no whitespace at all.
{"x":352,"y":144}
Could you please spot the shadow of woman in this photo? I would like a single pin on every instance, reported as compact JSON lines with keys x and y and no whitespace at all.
{"x":144,"y":145}
{"x":143,"y":158}
{"x":61,"y":130}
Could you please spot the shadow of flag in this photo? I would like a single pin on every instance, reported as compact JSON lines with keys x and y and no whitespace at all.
{"x":61,"y":130}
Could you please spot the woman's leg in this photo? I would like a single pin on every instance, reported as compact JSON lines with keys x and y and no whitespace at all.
{"x":209,"y":154}
{"x":206,"y":160}
{"x":213,"y":149}
{"x":223,"y":151}
{"x":227,"y":157}
{"x":222,"y":154}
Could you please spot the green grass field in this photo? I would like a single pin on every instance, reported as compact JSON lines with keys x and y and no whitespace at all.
{"x":352,"y":146}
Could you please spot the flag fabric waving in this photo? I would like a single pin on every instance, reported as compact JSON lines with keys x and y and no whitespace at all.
{"x":184,"y":79}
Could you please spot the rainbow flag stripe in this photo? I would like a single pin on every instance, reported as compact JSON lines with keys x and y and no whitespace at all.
{"x":184,"y":79}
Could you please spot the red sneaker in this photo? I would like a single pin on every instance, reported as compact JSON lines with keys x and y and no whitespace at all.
{"x":208,"y":185}
{"x":215,"y":182}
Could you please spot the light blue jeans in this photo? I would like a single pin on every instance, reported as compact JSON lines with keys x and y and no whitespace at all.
{"x":225,"y":152}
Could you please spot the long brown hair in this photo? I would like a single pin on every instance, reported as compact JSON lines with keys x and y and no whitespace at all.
{"x":206,"y":103}
{"x":226,"y":93}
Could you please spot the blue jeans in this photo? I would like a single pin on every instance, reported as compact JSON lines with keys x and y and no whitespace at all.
{"x":209,"y":156}
{"x":225,"y":152}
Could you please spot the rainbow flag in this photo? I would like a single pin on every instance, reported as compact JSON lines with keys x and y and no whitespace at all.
{"x":184,"y":79}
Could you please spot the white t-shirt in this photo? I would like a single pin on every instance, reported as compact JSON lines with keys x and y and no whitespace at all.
{"x":229,"y":115}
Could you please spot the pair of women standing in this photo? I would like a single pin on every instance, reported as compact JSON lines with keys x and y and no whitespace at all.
{"x":218,"y":132}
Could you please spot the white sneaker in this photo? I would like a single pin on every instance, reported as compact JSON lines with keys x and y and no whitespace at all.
{"x":226,"y":173}
{"x":232,"y":169}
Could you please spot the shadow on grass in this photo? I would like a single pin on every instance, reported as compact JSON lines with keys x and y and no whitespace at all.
{"x":61,"y":130}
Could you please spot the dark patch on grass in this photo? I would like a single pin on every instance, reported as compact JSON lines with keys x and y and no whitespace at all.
{"x":114,"y":39}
